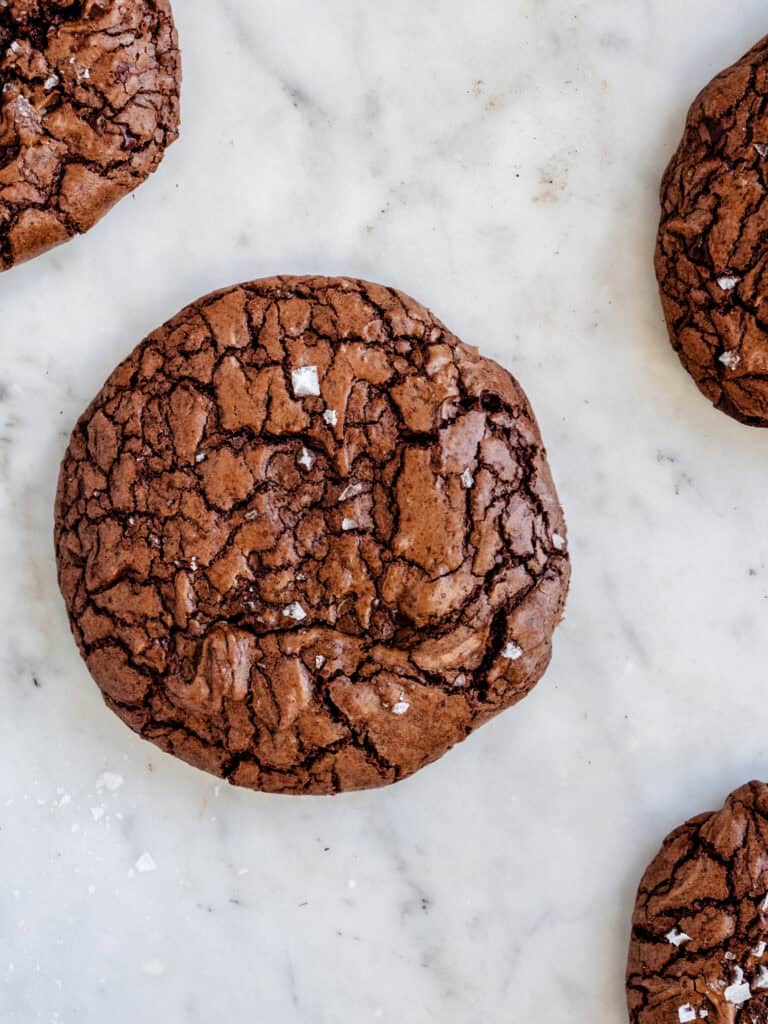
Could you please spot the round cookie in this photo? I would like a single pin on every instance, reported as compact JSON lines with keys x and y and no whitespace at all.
{"x":89,"y":101}
{"x":699,"y":948}
{"x":712,"y":252}
{"x":307,"y":539}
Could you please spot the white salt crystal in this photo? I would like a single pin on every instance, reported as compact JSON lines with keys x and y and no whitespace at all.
{"x":306,"y":383}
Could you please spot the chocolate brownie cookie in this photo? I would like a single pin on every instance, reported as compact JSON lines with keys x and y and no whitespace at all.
{"x":89,"y":100}
{"x":308,"y":540}
{"x":699,"y":948}
{"x":712,"y":253}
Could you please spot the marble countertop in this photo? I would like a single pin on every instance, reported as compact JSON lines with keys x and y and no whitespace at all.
{"x":499,"y":161}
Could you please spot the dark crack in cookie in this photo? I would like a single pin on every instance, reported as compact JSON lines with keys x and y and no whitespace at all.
{"x":712,"y":253}
{"x":308,"y":540}
{"x":699,"y":949}
{"x":89,"y":101}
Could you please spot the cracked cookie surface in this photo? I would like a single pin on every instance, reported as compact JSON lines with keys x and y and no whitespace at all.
{"x":699,"y":948}
{"x":712,"y":252}
{"x":89,"y":101}
{"x":307,"y":539}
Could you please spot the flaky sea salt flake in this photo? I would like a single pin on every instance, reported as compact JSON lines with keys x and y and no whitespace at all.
{"x":730,"y":359}
{"x":351,"y":492}
{"x":677,"y":937}
{"x":512,"y":652}
{"x":294,"y":611}
{"x":306,"y":459}
{"x":739,"y":992}
{"x":306,"y":383}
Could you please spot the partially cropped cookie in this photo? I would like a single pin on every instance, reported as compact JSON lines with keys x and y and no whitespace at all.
{"x":699,"y":948}
{"x":712,"y":254}
{"x":89,"y":101}
{"x":307,"y":539}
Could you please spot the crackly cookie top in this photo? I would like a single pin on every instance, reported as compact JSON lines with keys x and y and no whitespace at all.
{"x":712,"y":254}
{"x":307,"y":539}
{"x":89,"y":100}
{"x":699,"y":948}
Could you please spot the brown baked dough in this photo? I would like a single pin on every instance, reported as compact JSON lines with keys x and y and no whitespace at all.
{"x":712,"y":254}
{"x":89,"y":101}
{"x":307,"y":539}
{"x":699,"y":948}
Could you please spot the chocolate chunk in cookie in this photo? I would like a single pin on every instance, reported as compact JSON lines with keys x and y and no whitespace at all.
{"x":699,"y":949}
{"x":89,"y":101}
{"x":307,"y":539}
{"x":712,"y":253}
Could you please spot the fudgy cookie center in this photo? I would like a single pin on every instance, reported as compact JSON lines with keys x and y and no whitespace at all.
{"x":367,"y":533}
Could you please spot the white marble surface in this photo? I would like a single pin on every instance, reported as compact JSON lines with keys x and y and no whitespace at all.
{"x":499,"y":160}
